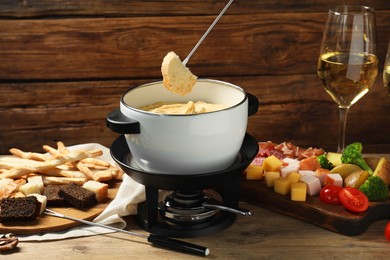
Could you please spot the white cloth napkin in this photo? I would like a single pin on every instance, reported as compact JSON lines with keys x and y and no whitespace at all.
{"x":130,"y":193}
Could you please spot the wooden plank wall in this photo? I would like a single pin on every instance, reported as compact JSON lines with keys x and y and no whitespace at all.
{"x":65,"y":64}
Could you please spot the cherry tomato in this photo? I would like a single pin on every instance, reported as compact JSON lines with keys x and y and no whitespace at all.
{"x":353,"y":199}
{"x":387,"y":231}
{"x":330,"y":194}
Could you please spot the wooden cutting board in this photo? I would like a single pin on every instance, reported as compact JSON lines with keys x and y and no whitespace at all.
{"x":332,"y":217}
{"x":47,"y":223}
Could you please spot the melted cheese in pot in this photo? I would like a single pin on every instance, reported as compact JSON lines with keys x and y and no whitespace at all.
{"x":182,"y":108}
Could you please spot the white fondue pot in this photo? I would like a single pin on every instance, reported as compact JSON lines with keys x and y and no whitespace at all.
{"x":184,"y":144}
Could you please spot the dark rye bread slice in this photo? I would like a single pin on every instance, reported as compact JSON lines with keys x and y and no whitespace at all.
{"x":77,"y":195}
{"x":19,"y":209}
{"x":52,"y":194}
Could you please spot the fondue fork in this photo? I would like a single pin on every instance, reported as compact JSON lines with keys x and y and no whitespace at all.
{"x":207,"y":32}
{"x":165,"y":242}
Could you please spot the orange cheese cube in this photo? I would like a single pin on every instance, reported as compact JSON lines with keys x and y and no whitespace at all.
{"x":270,"y":178}
{"x":254,"y":172}
{"x":282,"y":185}
{"x":298,"y":191}
{"x":294,"y":177}
{"x":272,"y":163}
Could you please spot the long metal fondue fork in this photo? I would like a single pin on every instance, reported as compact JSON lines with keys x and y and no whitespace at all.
{"x":161,"y":241}
{"x":207,"y":32}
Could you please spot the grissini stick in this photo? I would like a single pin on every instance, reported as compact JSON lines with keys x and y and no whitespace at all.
{"x":165,"y":242}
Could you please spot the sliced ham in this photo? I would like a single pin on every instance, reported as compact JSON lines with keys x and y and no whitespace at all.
{"x":310,"y":163}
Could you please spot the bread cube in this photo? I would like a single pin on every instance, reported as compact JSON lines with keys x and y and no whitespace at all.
{"x":298,"y":191}
{"x":272,"y":163}
{"x":270,"y":178}
{"x":282,"y":185}
{"x":100,"y":189}
{"x":34,"y":185}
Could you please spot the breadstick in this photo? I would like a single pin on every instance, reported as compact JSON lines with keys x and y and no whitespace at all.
{"x":9,"y":162}
{"x":28,"y":155}
{"x":51,"y":150}
{"x":97,"y":162}
{"x":57,"y":172}
{"x":104,"y":175}
{"x":18,"y":172}
{"x":61,"y":147}
{"x":48,"y":180}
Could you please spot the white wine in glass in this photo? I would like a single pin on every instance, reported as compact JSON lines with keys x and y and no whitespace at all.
{"x":386,"y":71}
{"x":348,"y":65}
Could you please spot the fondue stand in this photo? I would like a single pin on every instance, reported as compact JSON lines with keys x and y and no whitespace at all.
{"x":199,"y":204}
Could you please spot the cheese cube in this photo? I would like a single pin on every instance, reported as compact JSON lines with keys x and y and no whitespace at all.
{"x":333,"y":179}
{"x":298,"y":191}
{"x":254,"y":172}
{"x":294,"y":177}
{"x":270,"y":178}
{"x":286,"y":170}
{"x":282,"y":185}
{"x":306,"y":172}
{"x":272,"y":163}
{"x":313,"y":184}
{"x":321,"y":173}
{"x":290,"y":160}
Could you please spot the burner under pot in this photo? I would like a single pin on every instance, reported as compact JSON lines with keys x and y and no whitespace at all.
{"x":185,"y":207}
{"x":199,"y":205}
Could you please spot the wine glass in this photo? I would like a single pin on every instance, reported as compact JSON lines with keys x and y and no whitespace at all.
{"x":348,"y":65}
{"x":386,"y":71}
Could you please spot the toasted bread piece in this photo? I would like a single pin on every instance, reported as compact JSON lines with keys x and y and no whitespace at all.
{"x":77,"y":196}
{"x":176,"y":76}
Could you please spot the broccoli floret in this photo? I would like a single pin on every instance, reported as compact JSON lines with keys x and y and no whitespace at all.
{"x":353,"y":154}
{"x":375,"y":189}
{"x":324,"y":162}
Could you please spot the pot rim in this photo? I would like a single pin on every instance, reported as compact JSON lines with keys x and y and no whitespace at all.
{"x":183,"y":115}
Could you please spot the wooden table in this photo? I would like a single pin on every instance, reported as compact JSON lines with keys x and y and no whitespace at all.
{"x":265,"y":235}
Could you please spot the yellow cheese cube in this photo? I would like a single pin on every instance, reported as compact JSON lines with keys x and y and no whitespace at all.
{"x":298,"y":191}
{"x":254,"y":172}
{"x":294,"y":177}
{"x":272,"y":163}
{"x":282,"y":185}
{"x":270,"y":177}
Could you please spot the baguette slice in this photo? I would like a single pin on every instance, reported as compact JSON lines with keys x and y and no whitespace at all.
{"x":176,"y":76}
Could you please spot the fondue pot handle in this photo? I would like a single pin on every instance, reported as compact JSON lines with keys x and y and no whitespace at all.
{"x":253,"y":104}
{"x":121,"y":124}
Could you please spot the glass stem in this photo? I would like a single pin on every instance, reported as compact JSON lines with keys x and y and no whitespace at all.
{"x":343,"y":124}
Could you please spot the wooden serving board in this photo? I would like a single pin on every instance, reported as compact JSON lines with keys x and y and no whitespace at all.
{"x":47,"y":223}
{"x":332,"y":217}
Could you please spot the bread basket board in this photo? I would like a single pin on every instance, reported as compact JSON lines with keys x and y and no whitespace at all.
{"x":45,"y":223}
{"x":331,"y":217}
